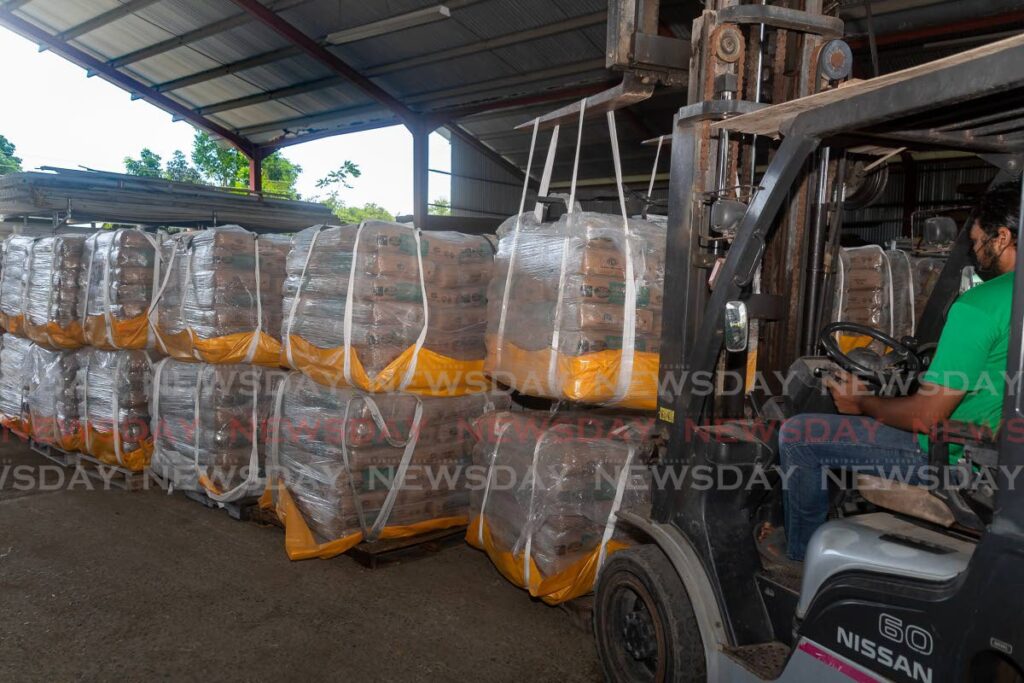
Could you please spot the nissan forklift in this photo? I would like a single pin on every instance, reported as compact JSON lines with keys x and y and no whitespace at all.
{"x":903,"y":583}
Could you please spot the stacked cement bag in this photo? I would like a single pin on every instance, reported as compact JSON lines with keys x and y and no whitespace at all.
{"x":14,"y":380}
{"x":574,"y":309}
{"x":51,"y":296}
{"x":546,"y":515}
{"x":874,"y":287}
{"x":51,"y":397}
{"x":351,"y":466}
{"x":112,"y":392}
{"x":220,"y":296}
{"x":384,"y":307}
{"x":119,"y":277}
{"x":13,"y":282}
{"x":926,"y":271}
{"x":209,"y":426}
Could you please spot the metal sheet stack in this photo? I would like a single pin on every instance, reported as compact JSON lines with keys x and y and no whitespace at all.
{"x":119,"y":277}
{"x":382,"y":307}
{"x":112,"y":393}
{"x":575,"y":309}
{"x":546,"y":515}
{"x":220,"y":297}
{"x":353,"y":466}
{"x":209,"y":424}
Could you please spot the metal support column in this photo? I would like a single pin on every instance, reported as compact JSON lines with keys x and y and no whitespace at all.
{"x":420,"y":173}
{"x":256,"y":171}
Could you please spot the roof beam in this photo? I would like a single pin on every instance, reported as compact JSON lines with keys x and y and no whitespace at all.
{"x":505,"y":164}
{"x":90,"y":63}
{"x":321,"y":54}
{"x":226,"y":24}
{"x":249,"y":100}
{"x":412,"y":62}
{"x":101,"y":20}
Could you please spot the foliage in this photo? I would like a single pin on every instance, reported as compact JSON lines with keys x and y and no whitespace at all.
{"x":355,"y":214}
{"x":8,"y":162}
{"x":340,"y":176}
{"x":441,"y":207}
{"x":215,"y":164}
{"x":147,"y":165}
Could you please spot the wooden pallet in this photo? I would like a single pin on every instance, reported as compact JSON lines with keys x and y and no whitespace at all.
{"x":242,"y":510}
{"x":51,"y":453}
{"x":373,"y":554}
{"x":110,"y":475}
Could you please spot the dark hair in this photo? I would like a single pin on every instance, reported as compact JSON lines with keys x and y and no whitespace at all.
{"x":1000,"y":207}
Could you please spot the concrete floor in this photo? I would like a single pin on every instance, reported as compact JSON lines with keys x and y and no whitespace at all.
{"x":98,"y":584}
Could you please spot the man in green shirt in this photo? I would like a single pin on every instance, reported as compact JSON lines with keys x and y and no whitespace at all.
{"x":965,"y":382}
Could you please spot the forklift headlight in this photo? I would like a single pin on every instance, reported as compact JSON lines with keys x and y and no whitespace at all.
{"x":737,"y":327}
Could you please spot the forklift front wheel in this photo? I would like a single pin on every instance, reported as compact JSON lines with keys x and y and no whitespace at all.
{"x":644,"y":622}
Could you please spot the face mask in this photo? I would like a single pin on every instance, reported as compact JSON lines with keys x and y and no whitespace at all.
{"x":989,"y":268}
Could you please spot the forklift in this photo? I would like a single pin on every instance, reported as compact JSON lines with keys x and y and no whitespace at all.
{"x":917,"y":585}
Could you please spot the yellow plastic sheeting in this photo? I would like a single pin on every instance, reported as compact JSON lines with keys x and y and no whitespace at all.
{"x":300,"y":544}
{"x":231,"y":348}
{"x":435,"y":374}
{"x":15,"y":324}
{"x":49,"y":432}
{"x":52,"y":335}
{"x":123,"y":334}
{"x":590,"y":378}
{"x":575,"y":580}
{"x":100,"y":445}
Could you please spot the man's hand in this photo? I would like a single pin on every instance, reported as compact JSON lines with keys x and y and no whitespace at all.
{"x":848,"y":391}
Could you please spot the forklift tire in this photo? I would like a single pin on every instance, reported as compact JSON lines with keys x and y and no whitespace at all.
{"x":644,"y":622}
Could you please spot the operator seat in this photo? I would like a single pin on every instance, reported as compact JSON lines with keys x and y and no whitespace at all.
{"x":906,"y":499}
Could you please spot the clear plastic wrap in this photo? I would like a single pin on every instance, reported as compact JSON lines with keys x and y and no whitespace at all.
{"x":13,"y":282}
{"x":901,"y":271}
{"x":412,"y":313}
{"x":926,"y":272}
{"x":220,"y":296}
{"x":113,"y":406}
{"x":15,"y":372}
{"x":51,"y":397}
{"x":51,"y":306}
{"x":209,"y":426}
{"x":547,"y":514}
{"x":120,"y":275}
{"x":350,"y":466}
{"x":566,"y":329}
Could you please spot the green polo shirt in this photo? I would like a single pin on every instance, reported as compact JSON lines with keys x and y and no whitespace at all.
{"x":971,"y":355}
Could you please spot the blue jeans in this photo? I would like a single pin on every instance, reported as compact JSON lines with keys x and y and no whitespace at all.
{"x":809,"y":445}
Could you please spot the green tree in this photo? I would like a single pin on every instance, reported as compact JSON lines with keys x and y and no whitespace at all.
{"x":8,"y":162}
{"x":441,"y":207}
{"x":179,"y":170}
{"x":356,"y":214}
{"x":219,"y":164}
{"x":147,"y":165}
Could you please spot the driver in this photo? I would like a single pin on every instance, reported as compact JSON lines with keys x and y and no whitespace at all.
{"x":965,"y":382}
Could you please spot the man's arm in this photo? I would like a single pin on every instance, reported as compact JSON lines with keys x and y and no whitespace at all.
{"x":931,"y":405}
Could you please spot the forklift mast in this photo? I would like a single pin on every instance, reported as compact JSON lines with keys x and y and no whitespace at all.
{"x":745,"y":57}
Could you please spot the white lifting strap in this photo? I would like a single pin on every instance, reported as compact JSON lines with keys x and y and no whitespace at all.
{"x":411,"y":370}
{"x":92,"y":244}
{"x":399,"y":478}
{"x":115,"y":408}
{"x":534,"y":484}
{"x":654,"y":169}
{"x":85,"y":407}
{"x":157,"y":258}
{"x":629,"y":314}
{"x":255,"y":341}
{"x":155,"y":427}
{"x":274,"y":464}
{"x":503,"y":311}
{"x":298,"y":295}
{"x":490,"y":478}
{"x":158,"y":293}
{"x":563,"y":271}
{"x":620,"y":490}
{"x":252,"y":476}
{"x":349,"y":299}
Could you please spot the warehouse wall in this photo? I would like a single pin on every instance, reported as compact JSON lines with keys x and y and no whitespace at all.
{"x":938,"y":184}
{"x":480,"y":187}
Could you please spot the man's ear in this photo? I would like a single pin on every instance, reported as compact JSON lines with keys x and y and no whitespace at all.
{"x":1007,"y":236}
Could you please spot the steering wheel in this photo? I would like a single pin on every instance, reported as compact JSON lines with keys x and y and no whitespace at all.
{"x":864,"y":362}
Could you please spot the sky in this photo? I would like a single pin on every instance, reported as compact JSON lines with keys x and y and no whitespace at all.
{"x":55,"y":116}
